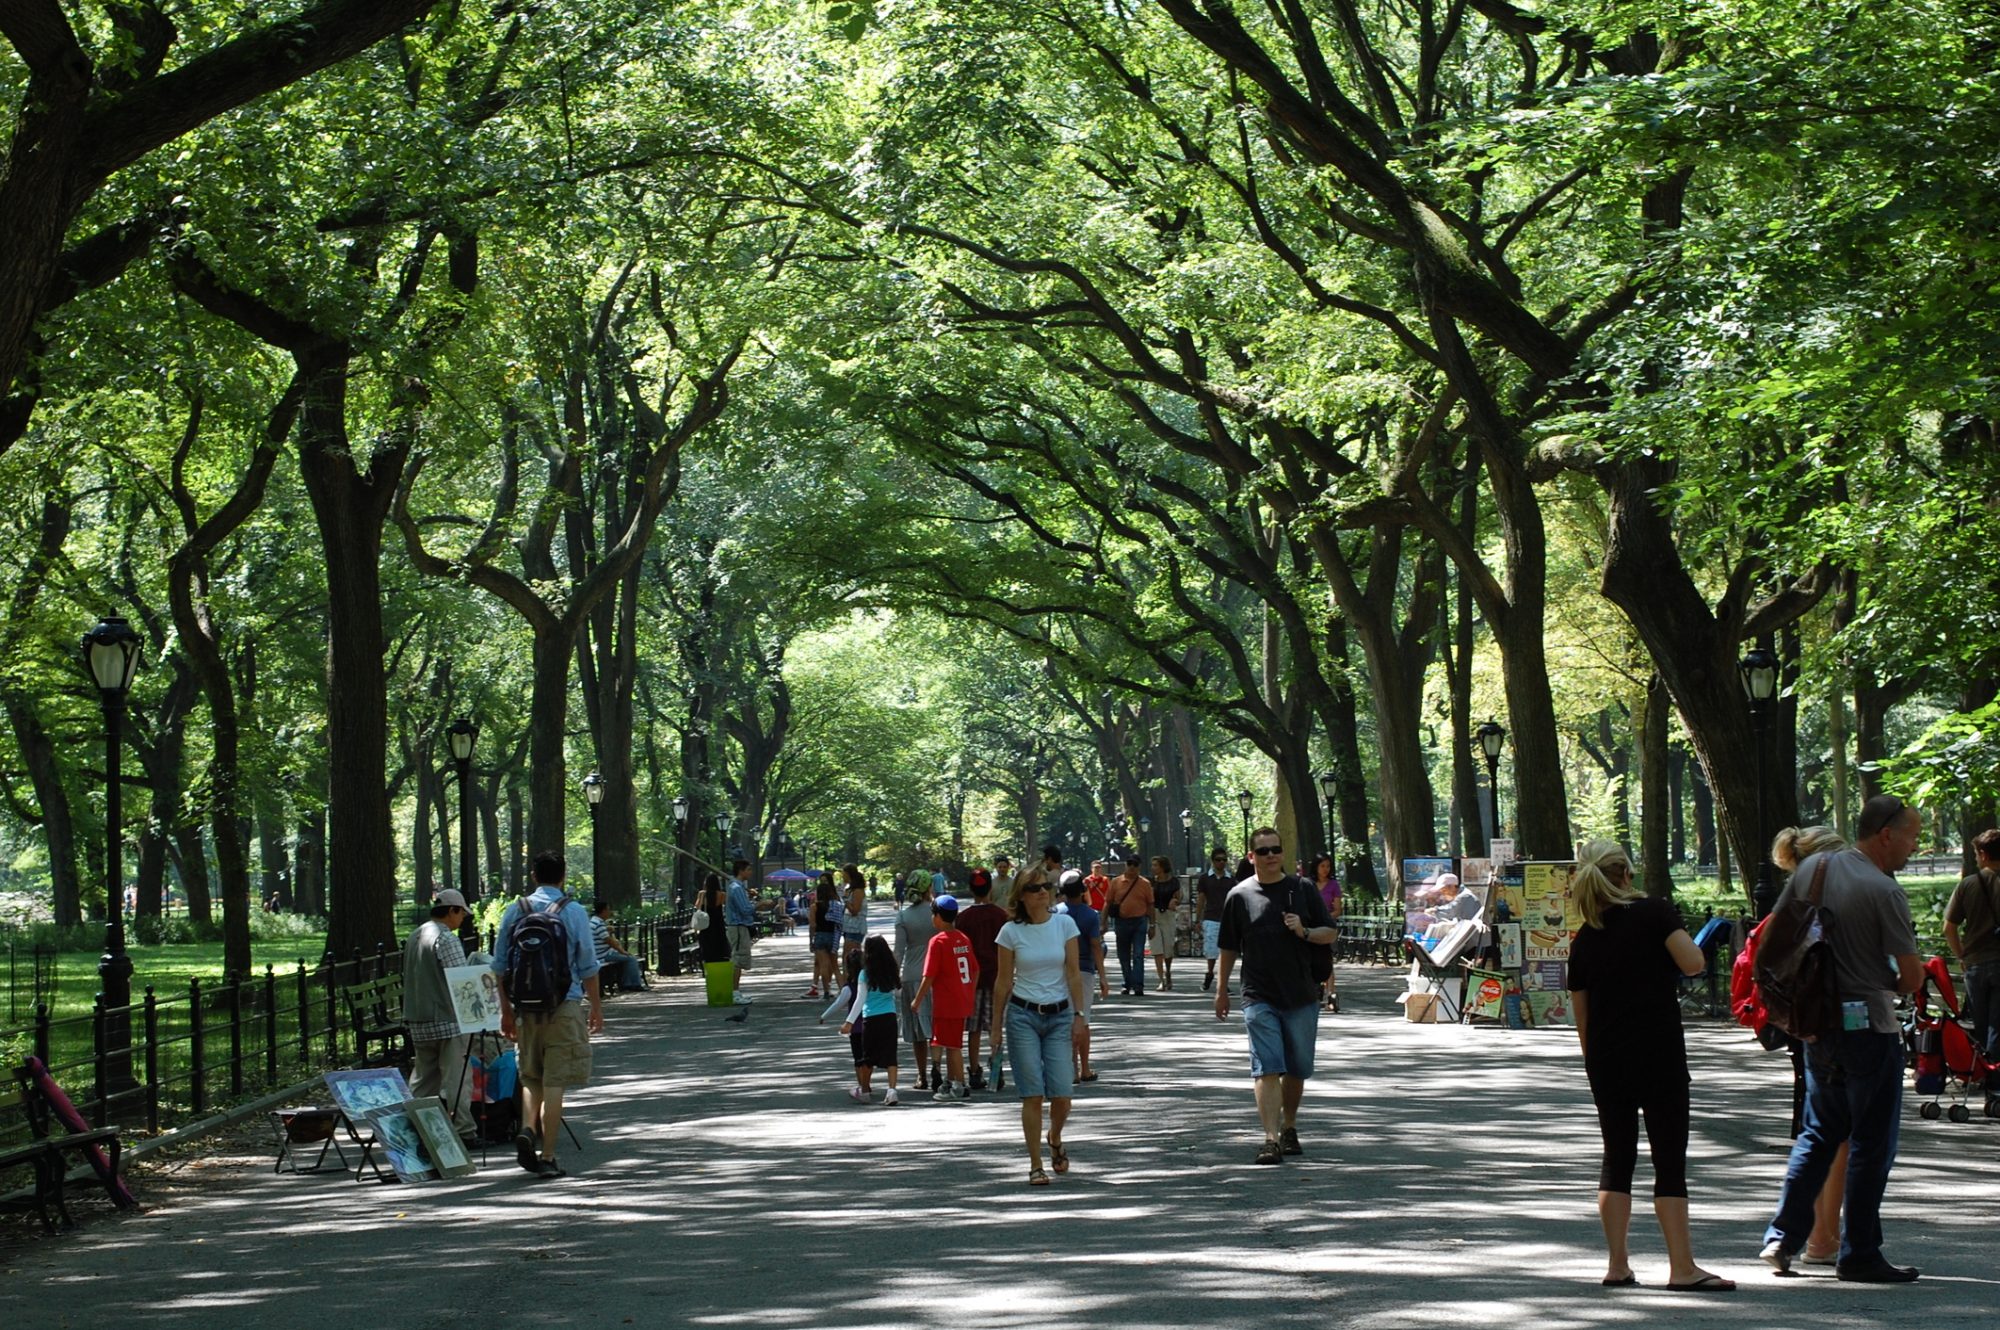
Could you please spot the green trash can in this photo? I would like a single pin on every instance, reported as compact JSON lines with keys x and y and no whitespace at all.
{"x":721,"y":982}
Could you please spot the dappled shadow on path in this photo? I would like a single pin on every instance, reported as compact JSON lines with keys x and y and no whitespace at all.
{"x":726,"y":1180}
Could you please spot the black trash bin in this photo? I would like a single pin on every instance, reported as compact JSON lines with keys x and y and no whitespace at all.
{"x":668,"y":939}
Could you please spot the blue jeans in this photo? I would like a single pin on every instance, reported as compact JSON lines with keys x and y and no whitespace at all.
{"x":1282,"y":1039}
{"x":1854,"y":1093}
{"x":1982,"y":1008}
{"x":1038,"y":1052}
{"x":1132,"y":953}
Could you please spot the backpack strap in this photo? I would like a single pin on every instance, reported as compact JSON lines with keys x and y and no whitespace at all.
{"x":1819,"y":881}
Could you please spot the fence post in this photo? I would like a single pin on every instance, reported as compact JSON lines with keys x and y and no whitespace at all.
{"x":197,"y":1051}
{"x":152,"y":1061}
{"x":42,"y":1032}
{"x":305,"y":1017}
{"x":332,"y":968}
{"x":270,"y":1027}
{"x":99,"y":1059}
{"x":236,"y":1035}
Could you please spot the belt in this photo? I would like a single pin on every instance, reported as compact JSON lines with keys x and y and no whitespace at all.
{"x":1040,"y":1008}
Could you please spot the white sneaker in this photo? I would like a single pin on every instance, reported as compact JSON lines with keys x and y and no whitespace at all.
{"x":890,"y":1100}
{"x":950,"y":1094}
{"x":857,"y":1094}
{"x":740,"y":998}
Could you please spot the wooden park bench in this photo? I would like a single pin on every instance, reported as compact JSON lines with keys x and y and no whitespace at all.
{"x":57,"y":1135}
{"x":374,"y":1010}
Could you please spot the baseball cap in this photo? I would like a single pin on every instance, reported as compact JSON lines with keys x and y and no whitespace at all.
{"x":450,"y":897}
{"x":1072,"y":882}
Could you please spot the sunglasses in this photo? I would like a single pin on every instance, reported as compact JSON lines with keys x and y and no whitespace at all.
{"x":1269,"y":849}
{"x":1036,"y":886}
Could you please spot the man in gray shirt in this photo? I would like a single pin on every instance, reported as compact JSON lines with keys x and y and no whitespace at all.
{"x":1854,"y":1076}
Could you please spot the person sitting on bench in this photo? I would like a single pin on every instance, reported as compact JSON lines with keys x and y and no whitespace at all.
{"x":625,"y":969}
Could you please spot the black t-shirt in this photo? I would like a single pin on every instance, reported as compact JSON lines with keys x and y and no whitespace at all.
{"x":821,"y":904}
{"x":1277,"y":965}
{"x":1632,"y":991}
{"x":1166,"y":892}
{"x":1214,"y":889}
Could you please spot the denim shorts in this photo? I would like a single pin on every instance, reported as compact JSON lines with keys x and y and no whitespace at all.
{"x":1038,"y":1052}
{"x":1281,"y":1040}
{"x":827,"y":941}
{"x":1211,"y":938}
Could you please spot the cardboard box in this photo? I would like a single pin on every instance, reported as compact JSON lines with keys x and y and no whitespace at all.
{"x":1420,"y":1008}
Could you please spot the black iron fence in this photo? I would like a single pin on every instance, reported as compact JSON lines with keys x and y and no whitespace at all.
{"x":171,"y":1058}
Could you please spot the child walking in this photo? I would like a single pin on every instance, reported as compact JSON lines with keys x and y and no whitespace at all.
{"x":842,"y":1001}
{"x":951,"y":977}
{"x":872,"y":1020}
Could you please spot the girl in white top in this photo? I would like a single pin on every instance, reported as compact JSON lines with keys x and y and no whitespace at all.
{"x":1038,"y":998}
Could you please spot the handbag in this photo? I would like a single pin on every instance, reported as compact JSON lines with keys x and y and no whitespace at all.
{"x":1795,"y":966}
{"x":698,"y":921}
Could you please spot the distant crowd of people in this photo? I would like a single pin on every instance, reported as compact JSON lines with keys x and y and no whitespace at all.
{"x":1001,"y":985}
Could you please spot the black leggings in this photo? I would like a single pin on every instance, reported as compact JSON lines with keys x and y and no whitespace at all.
{"x":1666,"y":1111}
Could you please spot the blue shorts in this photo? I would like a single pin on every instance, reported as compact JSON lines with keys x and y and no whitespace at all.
{"x":1038,"y":1052}
{"x":827,"y":941}
{"x":1211,"y":938}
{"x":1281,"y":1041}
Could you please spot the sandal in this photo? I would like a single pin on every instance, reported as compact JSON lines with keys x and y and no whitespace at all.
{"x":1037,"y":1178}
{"x":1058,"y":1157}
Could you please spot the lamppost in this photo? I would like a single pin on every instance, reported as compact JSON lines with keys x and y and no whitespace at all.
{"x":680,"y":842}
{"x":1145,"y":825}
{"x":1329,"y":786}
{"x":463,"y":734}
{"x":722,"y":821}
{"x":1492,"y":737}
{"x":111,"y":650}
{"x":593,"y":794}
{"x":1187,"y":836}
{"x":1243,"y":802}
{"x":1759,"y":668}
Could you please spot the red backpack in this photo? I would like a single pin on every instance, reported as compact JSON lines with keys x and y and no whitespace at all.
{"x":1745,"y":1002}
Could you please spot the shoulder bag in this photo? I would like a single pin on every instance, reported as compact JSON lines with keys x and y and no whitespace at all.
{"x":1794,"y":964}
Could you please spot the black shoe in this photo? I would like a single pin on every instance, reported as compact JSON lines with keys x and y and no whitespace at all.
{"x":1208,"y":983}
{"x":1288,"y":1141}
{"x":1878,"y":1271}
{"x":528,"y":1150}
{"x":978,"y":1081}
{"x":549,"y":1168}
{"x":1270,"y":1153}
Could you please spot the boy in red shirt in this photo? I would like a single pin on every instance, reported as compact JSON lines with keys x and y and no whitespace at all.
{"x":951,"y":974}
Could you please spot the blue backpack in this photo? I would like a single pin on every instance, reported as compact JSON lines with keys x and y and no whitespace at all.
{"x":538,"y":960}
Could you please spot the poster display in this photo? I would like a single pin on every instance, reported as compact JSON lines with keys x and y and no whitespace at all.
{"x":1510,"y":945}
{"x":1485,"y":991}
{"x":1425,"y":892}
{"x":475,"y":998}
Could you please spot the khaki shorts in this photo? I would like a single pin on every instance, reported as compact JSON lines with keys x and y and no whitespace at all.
{"x":554,"y":1049}
{"x":740,"y":938}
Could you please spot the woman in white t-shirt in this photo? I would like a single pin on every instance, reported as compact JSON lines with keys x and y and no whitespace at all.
{"x":1039,"y":994}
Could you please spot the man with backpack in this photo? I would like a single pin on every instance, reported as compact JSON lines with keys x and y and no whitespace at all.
{"x":1854,"y":1072}
{"x":547,"y":968}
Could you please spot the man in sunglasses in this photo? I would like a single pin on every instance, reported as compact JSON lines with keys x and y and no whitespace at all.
{"x":1273,"y":920}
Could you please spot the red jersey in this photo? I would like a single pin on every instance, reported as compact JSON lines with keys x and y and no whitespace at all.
{"x":954,"y":974}
{"x":1096,"y":885}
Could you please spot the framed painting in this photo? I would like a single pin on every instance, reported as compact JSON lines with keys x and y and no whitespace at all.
{"x":358,"y":1091}
{"x":475,"y":998}
{"x":397,"y":1135}
{"x":442,"y":1145}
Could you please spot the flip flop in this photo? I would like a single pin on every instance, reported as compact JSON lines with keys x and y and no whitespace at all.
{"x":1706,"y":1284}
{"x":1058,"y":1157}
{"x":1037,"y":1178}
{"x":1088,"y":1076}
{"x":1629,"y":1281}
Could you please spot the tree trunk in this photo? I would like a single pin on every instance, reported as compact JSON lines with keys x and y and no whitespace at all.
{"x":1705,"y":839}
{"x":191,"y":860}
{"x":1696,"y":656}
{"x":1357,"y":868}
{"x":548,"y":730}
{"x":1677,"y":799}
{"x":350,"y":507}
{"x":1654,"y":798}
{"x":52,"y":798}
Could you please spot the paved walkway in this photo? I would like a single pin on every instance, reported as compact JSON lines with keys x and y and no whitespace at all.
{"x":727,"y":1181}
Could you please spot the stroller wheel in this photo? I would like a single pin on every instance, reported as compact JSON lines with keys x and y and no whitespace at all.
{"x":1959,"y":1113}
{"x":1930,"y":1112}
{"x":1993,"y":1106}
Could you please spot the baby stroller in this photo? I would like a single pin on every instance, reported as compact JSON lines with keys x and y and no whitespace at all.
{"x":1946,"y":1061}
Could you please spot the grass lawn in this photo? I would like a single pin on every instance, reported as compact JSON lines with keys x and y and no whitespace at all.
{"x":167,"y":967}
